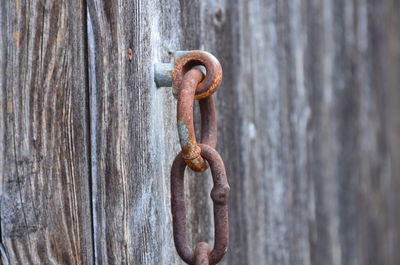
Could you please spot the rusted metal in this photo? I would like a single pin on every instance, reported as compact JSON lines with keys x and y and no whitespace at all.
{"x":208,"y":121}
{"x":187,"y":137}
{"x":190,"y":83}
{"x":163,"y":71}
{"x":219,"y":195}
{"x":163,"y":74}
{"x":195,"y":58}
{"x":201,"y":253}
{"x":130,"y":54}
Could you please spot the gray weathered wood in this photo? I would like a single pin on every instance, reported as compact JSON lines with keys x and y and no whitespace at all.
{"x":319,"y":187}
{"x":44,"y":134}
{"x":132,"y":140}
{"x":309,"y":128}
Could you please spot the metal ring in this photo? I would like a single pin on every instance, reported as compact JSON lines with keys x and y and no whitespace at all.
{"x":208,"y":115}
{"x":213,"y":76}
{"x":219,"y":195}
{"x":187,"y":137}
{"x":201,"y":253}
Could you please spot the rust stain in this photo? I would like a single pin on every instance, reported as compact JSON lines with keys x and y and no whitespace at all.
{"x":130,"y":54}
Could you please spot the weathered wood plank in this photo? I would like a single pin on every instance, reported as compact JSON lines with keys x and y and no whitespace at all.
{"x":133,"y":132}
{"x":44,"y":164}
{"x":392,"y":114}
{"x":319,"y":187}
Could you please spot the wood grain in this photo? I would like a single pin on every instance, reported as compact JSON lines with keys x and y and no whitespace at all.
{"x":45,"y":198}
{"x":317,"y":174}
{"x":305,"y":110}
{"x":308,"y":127}
{"x":132,"y":140}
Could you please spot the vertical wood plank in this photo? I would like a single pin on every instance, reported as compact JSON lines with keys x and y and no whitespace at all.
{"x":392,"y":92}
{"x":45,"y":174}
{"x":133,"y":137}
{"x":318,"y":182}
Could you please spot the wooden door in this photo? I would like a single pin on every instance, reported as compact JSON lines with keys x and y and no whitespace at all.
{"x":308,"y":127}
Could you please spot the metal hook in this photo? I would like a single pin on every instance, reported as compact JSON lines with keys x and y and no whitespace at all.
{"x":163,"y":71}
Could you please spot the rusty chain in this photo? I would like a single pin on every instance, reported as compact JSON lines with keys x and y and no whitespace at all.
{"x":191,"y":84}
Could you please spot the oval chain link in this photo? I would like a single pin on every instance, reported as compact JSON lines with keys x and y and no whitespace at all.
{"x":219,"y":195}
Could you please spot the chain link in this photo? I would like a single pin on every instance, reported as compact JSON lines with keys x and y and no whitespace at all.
{"x":191,"y":84}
